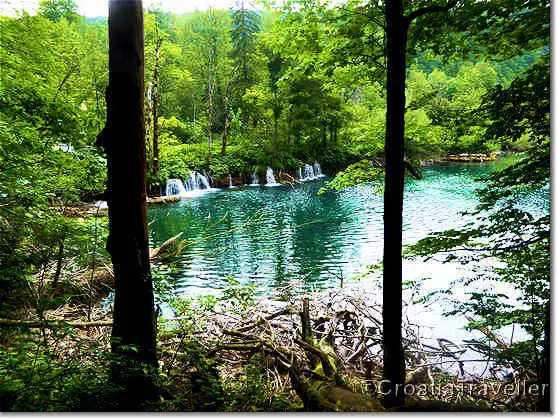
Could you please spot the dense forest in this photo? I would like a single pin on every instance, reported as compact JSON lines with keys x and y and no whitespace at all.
{"x":135,"y":108}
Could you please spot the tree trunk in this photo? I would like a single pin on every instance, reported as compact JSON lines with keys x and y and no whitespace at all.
{"x":133,"y":332}
{"x":393,"y":358}
{"x":544,"y":403}
{"x":59,"y":261}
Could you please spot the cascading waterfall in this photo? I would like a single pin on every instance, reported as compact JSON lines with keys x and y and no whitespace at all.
{"x":198,"y":184}
{"x":194,"y":185}
{"x":317,"y":170}
{"x":254,"y":179}
{"x":309,"y":174}
{"x":204,"y":181}
{"x":175,"y":187}
{"x":270,"y":176}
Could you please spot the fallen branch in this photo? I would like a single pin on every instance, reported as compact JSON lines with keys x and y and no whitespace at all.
{"x":164,"y":248}
{"x":264,"y":320}
{"x":52,"y":324}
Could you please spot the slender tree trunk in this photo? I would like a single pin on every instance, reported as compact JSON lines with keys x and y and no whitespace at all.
{"x":59,"y":261}
{"x":544,"y":403}
{"x":226,"y":129}
{"x":275,"y":131}
{"x":133,"y":332}
{"x":393,"y":358}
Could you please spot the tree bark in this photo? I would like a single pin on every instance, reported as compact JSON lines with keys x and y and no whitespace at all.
{"x":133,"y":332}
{"x":544,"y":403}
{"x":393,"y":357}
{"x":59,"y":261}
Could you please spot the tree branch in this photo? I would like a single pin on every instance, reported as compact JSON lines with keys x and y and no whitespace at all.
{"x":52,"y":324}
{"x":430,"y":9}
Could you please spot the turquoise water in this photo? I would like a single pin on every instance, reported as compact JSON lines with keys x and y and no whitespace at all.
{"x":288,"y":240}
{"x":271,"y":237}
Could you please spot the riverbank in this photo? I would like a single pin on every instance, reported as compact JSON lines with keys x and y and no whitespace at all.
{"x":198,"y":183}
{"x":242,"y":353}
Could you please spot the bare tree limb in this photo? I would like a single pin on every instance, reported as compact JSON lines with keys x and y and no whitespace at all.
{"x":52,"y":324}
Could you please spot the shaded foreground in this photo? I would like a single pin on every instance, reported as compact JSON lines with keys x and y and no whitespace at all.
{"x":238,"y":353}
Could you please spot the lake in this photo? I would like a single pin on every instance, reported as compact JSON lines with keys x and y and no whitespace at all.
{"x":290,"y":238}
{"x":273,"y":236}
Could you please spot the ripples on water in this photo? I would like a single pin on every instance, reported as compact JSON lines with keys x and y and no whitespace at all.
{"x":272,"y":236}
{"x":289,"y":236}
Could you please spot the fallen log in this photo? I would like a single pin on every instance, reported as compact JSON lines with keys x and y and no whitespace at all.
{"x":163,"y":199}
{"x":164,"y":248}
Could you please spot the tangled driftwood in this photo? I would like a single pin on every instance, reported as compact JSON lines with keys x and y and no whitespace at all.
{"x":324,"y":343}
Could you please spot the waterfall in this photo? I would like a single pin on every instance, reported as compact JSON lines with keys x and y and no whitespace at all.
{"x":175,"y":187}
{"x":270,"y":176}
{"x":299,"y":174}
{"x":204,"y":181}
{"x":194,"y":185}
{"x":197,"y":182}
{"x":309,"y":174}
{"x":254,"y":179}
{"x":230,"y":181}
{"x":318,"y":173}
{"x":191,"y":183}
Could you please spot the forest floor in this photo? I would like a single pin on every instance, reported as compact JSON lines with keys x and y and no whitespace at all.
{"x":255,"y":354}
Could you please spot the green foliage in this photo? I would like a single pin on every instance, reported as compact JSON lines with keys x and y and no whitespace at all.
{"x":507,"y":230}
{"x":49,"y":116}
{"x":250,"y":393}
{"x":55,"y":10}
{"x":39,"y":378}
{"x":286,"y":86}
{"x":355,"y":174}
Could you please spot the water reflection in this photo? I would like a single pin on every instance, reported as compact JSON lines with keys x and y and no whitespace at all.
{"x":270,"y":236}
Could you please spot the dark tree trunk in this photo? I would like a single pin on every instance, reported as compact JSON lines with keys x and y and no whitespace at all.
{"x":59,"y":261}
{"x":393,"y":358}
{"x":544,"y":403}
{"x":133,"y":333}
